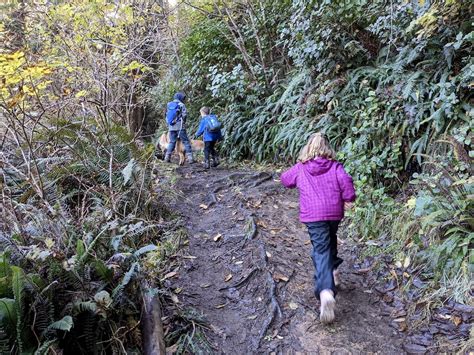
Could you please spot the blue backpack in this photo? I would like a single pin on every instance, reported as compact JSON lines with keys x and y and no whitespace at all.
{"x":213,"y":124}
{"x":173,"y":112}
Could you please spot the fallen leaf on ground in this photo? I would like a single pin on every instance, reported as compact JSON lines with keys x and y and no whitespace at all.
{"x":228,"y":278}
{"x":403,"y":326}
{"x":204,"y":285}
{"x":217,"y":237}
{"x":170,"y":274}
{"x":307,"y":242}
{"x":174,"y":298}
{"x":203,"y":206}
{"x":280,"y":277}
{"x":457,"y":320}
{"x":293,"y":305}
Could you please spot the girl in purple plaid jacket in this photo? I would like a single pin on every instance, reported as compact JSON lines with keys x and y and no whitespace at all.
{"x":325,"y":190}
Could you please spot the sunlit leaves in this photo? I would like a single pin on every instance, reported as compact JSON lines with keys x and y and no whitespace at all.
{"x":20,"y":78}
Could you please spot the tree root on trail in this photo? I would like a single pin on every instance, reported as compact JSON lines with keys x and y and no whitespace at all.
{"x":212,"y":198}
{"x":274,"y":310}
{"x":274,"y":306}
{"x":242,"y":281}
{"x":231,"y":177}
{"x":261,"y":178}
{"x":252,"y":226}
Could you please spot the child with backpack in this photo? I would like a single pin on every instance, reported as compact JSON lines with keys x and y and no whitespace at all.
{"x":325,"y":190}
{"x":176,"y":115}
{"x":210,"y":127}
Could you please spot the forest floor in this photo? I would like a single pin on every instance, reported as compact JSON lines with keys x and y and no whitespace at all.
{"x":247,"y":270}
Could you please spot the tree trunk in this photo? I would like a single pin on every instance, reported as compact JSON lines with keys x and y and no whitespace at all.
{"x":152,"y":326}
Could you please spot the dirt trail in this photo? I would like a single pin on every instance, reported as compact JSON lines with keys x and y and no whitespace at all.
{"x":250,"y":274}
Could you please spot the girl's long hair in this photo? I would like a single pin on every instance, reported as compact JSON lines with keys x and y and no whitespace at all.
{"x":317,"y":147}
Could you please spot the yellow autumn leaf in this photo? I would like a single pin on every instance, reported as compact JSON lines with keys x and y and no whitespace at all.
{"x":81,"y":93}
{"x":49,"y":243}
{"x":411,"y":202}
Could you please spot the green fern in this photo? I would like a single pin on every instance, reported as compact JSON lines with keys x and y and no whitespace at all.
{"x":117,"y":292}
{"x":44,"y":348}
{"x":18,"y":285}
{"x":64,"y":324}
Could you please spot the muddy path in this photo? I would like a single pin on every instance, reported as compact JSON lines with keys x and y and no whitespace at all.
{"x":248,"y":271}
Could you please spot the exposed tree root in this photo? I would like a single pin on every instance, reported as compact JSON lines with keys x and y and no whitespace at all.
{"x":242,"y":281}
{"x":252,"y":226}
{"x":259,"y":179}
{"x":212,"y":199}
{"x":274,"y":309}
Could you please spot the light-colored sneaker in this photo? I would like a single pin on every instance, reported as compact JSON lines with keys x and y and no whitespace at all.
{"x":328,"y":304}
{"x":336,"y":276}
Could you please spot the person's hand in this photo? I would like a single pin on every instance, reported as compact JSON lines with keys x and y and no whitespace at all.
{"x":348,"y":206}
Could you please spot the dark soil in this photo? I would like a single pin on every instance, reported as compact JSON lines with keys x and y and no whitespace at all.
{"x":248,"y":271}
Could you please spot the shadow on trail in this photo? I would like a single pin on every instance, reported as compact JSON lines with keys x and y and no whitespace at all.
{"x":249,"y":272}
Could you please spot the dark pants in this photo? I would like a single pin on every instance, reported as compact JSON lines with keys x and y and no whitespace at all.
{"x":174,"y":135}
{"x":324,"y":239}
{"x":209,"y":149}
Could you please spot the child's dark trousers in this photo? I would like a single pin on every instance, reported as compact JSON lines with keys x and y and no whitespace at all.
{"x":324,"y":239}
{"x":209,"y":149}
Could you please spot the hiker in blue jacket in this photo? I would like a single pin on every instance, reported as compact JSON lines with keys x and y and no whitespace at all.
{"x":211,"y":128}
{"x":176,"y":118}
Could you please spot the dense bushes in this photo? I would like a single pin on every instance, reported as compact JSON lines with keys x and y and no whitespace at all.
{"x":81,"y":225}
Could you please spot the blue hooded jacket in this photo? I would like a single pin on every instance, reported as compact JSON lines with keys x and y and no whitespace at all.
{"x":180,"y":96}
{"x":181,"y":123}
{"x":208,"y":136}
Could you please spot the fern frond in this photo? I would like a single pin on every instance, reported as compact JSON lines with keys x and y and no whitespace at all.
{"x":64,"y":324}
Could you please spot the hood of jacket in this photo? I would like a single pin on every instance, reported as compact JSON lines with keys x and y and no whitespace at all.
{"x":180,"y":96}
{"x":318,"y":166}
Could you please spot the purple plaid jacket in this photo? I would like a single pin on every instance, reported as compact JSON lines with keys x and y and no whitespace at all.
{"x":324,"y":186}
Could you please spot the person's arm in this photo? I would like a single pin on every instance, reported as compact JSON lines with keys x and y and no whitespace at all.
{"x":184,"y":112}
{"x":201,"y":128}
{"x":347,"y":186}
{"x":289,"y":177}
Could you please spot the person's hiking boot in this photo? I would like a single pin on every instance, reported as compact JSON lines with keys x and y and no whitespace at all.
{"x":206,"y":164}
{"x":328,"y":303}
{"x":190,"y":158}
{"x":168,"y":157}
{"x":337,"y":277}
{"x":215,"y":161}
